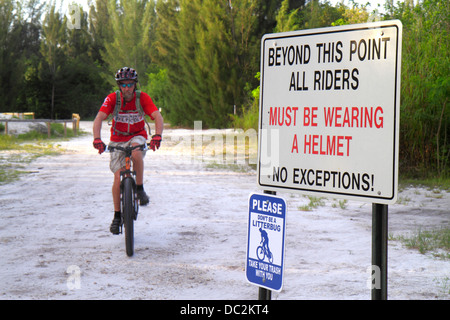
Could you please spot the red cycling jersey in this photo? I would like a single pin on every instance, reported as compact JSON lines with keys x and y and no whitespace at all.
{"x":131,"y":122}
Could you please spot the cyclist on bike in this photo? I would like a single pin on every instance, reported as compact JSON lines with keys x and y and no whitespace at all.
{"x":264,"y":240}
{"x":128,"y":128}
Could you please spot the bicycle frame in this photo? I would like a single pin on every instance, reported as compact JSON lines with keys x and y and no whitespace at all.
{"x":127,"y":173}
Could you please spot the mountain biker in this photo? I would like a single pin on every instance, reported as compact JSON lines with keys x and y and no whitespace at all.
{"x":128,"y":128}
{"x":264,"y":239}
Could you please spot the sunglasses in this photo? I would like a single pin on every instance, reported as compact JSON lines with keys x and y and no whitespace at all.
{"x":124,"y":85}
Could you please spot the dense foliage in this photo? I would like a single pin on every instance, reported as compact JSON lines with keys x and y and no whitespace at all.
{"x":425,"y":91}
{"x":199,"y":60}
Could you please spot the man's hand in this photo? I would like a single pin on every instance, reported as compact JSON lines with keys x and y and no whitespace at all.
{"x":99,"y":145}
{"x":156,"y":142}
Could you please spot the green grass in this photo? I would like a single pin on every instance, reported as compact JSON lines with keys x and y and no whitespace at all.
{"x":430,"y":183}
{"x":8,"y":175}
{"x":436,"y":242}
{"x":17,"y":152}
{"x":341,"y":204}
{"x":314,"y":202}
{"x":231,"y":167}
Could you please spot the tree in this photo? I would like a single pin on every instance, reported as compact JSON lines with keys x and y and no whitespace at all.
{"x":82,"y":76}
{"x":132,"y":24}
{"x":53,"y":32}
{"x":68,"y":79}
{"x":352,"y":15}
{"x":210,"y":50}
{"x":165,"y":55}
{"x":286,"y":21}
{"x":425,"y":87}
{"x":11,"y":58}
{"x":29,"y":17}
{"x":101,"y":33}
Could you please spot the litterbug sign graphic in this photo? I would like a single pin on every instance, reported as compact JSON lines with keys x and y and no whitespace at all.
{"x":329,"y":111}
{"x":265,"y":244}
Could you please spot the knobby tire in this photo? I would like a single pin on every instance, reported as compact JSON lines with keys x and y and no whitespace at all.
{"x":128,"y":215}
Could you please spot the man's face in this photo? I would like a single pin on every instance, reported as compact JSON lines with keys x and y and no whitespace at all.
{"x":127,"y":88}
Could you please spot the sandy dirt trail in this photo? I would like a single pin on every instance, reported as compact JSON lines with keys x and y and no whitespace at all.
{"x":190,"y":242}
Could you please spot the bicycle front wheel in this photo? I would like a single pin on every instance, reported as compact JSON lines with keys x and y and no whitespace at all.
{"x":128,"y":215}
{"x":260,"y":253}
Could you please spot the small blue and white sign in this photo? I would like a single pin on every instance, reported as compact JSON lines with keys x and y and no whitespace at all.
{"x":265,"y":244}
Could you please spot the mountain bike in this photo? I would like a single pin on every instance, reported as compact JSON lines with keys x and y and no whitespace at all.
{"x":129,"y":202}
{"x":262,"y":252}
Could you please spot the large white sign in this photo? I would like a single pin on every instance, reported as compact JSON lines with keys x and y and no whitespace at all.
{"x":329,"y":111}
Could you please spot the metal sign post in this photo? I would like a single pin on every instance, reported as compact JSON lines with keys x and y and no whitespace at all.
{"x":379,"y":251}
{"x":263,"y":293}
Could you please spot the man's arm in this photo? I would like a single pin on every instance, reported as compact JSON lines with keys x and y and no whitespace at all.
{"x":98,"y":124}
{"x":159,"y":122}
{"x":155,"y":143}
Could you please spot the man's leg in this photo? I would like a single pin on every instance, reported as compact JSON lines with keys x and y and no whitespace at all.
{"x":138,"y":166}
{"x":116,"y":190}
{"x":115,"y":225}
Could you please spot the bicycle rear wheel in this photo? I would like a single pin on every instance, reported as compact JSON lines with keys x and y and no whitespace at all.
{"x":128,"y":215}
